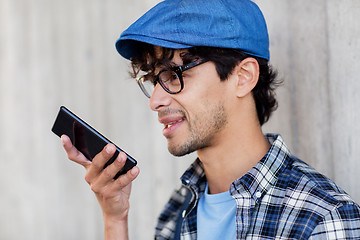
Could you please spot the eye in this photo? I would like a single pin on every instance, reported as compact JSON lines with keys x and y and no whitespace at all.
{"x":169,"y":77}
{"x":185,"y":74}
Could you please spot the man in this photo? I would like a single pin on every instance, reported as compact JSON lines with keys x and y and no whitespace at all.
{"x":208,"y":78}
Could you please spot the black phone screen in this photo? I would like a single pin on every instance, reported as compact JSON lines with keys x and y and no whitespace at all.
{"x":86,"y":139}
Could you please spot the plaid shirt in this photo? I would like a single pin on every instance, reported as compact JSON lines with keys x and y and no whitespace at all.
{"x":280,"y":198}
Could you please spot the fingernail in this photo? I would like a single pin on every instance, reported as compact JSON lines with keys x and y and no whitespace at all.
{"x":119,"y":158}
{"x":109,"y":149}
{"x":134,"y":171}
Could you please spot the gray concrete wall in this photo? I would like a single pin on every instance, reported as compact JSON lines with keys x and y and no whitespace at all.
{"x":56,"y":53}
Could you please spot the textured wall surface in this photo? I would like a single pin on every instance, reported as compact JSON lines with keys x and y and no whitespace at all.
{"x":56,"y":53}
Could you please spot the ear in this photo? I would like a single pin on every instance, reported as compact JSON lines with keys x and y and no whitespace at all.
{"x":246,"y":74}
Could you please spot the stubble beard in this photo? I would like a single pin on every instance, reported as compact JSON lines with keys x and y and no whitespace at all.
{"x":202,"y":131}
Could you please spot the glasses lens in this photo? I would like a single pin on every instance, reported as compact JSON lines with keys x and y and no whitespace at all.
{"x":146,"y":86}
{"x":170,"y":80}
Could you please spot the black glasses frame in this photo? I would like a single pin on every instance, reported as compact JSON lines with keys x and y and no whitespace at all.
{"x":178,"y":70}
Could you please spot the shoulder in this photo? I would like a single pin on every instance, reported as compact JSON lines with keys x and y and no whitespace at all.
{"x":317,"y":187}
{"x":316,"y":203}
{"x":343,"y":222}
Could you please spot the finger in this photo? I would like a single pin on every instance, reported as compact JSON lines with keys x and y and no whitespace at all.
{"x":123,"y":183}
{"x":126,"y":178}
{"x":72,"y":153}
{"x":105,"y":183}
{"x":110,"y":171}
{"x":99,"y":161}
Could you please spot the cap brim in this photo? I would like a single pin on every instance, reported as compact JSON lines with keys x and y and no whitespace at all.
{"x":129,"y":46}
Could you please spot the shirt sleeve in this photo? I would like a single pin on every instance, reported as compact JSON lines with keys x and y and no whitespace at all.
{"x":341,"y":223}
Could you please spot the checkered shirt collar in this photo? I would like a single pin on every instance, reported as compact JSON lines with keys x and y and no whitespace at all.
{"x":258,"y":180}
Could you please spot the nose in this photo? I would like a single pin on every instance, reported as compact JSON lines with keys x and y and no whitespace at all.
{"x":159,"y":99}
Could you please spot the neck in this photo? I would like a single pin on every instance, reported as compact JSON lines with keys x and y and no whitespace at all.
{"x":233,"y":153}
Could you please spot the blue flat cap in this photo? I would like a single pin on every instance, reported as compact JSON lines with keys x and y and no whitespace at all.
{"x":178,"y":24}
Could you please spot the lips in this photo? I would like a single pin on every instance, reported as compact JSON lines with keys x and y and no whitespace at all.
{"x":171,"y":123}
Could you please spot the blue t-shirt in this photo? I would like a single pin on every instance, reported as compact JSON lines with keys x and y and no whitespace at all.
{"x":216,"y":216}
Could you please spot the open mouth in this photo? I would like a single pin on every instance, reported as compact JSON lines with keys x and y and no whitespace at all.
{"x":170,"y":124}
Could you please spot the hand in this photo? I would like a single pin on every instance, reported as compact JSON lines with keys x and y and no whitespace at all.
{"x":113,"y":195}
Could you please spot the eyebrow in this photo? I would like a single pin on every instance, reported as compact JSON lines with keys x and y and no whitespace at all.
{"x":168,"y":67}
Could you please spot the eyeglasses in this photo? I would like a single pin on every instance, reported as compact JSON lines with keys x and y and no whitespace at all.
{"x":170,"y":79}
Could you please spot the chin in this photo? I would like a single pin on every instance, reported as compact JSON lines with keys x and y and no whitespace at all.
{"x":180,"y":150}
{"x":179,"y":153}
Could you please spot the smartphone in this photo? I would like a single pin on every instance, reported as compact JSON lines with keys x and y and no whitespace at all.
{"x":86,"y":139}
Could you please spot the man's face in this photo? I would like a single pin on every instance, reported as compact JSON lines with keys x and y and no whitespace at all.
{"x":193,"y":118}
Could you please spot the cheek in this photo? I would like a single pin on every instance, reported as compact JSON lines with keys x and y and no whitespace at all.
{"x":204,"y":89}
{"x":203,"y":111}
{"x":198,"y":101}
{"x":203,"y":81}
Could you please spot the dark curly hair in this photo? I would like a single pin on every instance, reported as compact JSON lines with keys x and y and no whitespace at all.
{"x":225,"y":60}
